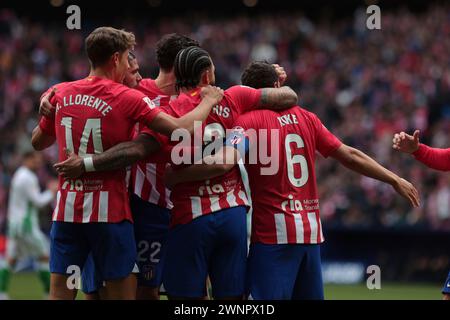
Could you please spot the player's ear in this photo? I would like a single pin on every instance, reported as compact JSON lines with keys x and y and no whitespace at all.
{"x":206,"y":76}
{"x":116,"y":58}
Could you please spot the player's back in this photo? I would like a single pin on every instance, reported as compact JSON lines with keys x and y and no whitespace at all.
{"x":147,"y":176}
{"x":195,"y":199}
{"x":285,"y":201}
{"x":93,"y":115}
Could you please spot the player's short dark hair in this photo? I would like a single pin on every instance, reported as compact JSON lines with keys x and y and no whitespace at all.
{"x":168,"y":47}
{"x":259,"y":74}
{"x":103,"y":42}
{"x":189,"y":65}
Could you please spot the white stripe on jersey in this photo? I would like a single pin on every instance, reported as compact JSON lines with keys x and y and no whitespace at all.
{"x":215,"y":205}
{"x":56,"y":211}
{"x":243,"y":196}
{"x":321,"y":233}
{"x":87,"y":206}
{"x":196,"y":204}
{"x":151,"y":176}
{"x":313,"y":224}
{"x":299,"y":228}
{"x":139,"y":182}
{"x":168,"y":202}
{"x":103,"y":206}
{"x":69,"y":206}
{"x":231,"y":199}
{"x":280,"y":224}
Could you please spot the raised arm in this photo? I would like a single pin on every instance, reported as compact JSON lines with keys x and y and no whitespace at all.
{"x":358,"y":161}
{"x":166,"y":124}
{"x":438,"y":159}
{"x":120,"y":156}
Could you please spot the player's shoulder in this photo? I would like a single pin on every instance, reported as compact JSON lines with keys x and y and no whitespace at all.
{"x":308,"y":115}
{"x":148,"y":87}
{"x":237,"y":89}
{"x":61,"y":86}
{"x":126,"y":93}
{"x":148,"y":84}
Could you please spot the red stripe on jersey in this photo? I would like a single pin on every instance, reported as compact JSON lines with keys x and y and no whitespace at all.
{"x":306,"y":229}
{"x":319,"y":229}
{"x":95,"y":208}
{"x":146,"y":187}
{"x":159,"y":184}
{"x":78,"y":207}
{"x":59,"y":216}
{"x":291,"y":231}
{"x":223,"y":203}
{"x":241,"y":196}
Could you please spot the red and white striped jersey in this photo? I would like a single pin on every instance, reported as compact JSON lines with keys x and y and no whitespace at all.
{"x":93,"y":115}
{"x":147,"y":175}
{"x":194,"y":199}
{"x":286,"y":205}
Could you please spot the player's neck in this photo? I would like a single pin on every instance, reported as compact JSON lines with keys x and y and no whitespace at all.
{"x":186,"y":90}
{"x":102,"y":73}
{"x":166,"y":82}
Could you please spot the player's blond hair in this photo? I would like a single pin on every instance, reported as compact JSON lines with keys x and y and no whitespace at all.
{"x":103,"y":42}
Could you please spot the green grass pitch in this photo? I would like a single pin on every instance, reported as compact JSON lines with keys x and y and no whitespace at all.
{"x":26,"y":286}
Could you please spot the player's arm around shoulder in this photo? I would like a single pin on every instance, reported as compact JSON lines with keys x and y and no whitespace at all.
{"x":208,"y":168}
{"x":117,"y":157}
{"x":235,"y":147}
{"x":166,"y":124}
{"x":280,"y":96}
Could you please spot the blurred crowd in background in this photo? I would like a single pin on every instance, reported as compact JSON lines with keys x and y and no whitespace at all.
{"x":364,"y":84}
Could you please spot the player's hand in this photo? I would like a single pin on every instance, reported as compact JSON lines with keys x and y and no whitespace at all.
{"x":72,"y":167}
{"x":408,"y":191}
{"x":45,"y":107}
{"x":405,"y":142}
{"x":170,"y":178}
{"x":282,"y":75}
{"x":53,"y":185}
{"x":213,"y":93}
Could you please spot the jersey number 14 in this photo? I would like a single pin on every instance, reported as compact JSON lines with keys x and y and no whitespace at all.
{"x":91,"y":128}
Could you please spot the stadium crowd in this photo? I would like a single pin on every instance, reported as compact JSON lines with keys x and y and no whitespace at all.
{"x":364,"y":84}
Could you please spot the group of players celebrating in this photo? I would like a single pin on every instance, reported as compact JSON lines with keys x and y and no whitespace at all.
{"x":133,"y":220}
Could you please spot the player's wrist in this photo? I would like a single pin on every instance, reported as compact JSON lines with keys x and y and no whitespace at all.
{"x":88,"y":164}
{"x":415,"y":149}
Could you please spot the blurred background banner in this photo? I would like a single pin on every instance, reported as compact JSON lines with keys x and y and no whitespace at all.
{"x":364,"y":84}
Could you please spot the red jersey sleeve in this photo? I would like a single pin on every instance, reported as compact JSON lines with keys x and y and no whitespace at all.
{"x":47,"y":126}
{"x":162,"y":139}
{"x":326,"y":142}
{"x":138,"y":107}
{"x":245,"y":98}
{"x":438,"y":159}
{"x":46,"y":92}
